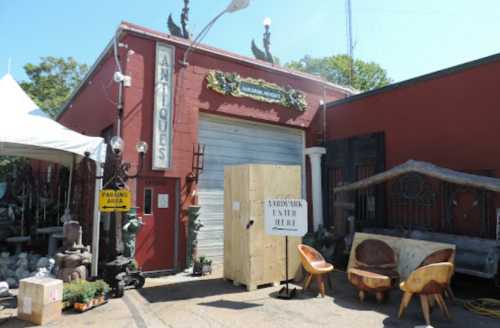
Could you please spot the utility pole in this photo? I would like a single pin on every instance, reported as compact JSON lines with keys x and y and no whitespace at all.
{"x":350,"y":47}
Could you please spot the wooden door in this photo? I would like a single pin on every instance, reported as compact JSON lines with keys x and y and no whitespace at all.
{"x":156,"y":199}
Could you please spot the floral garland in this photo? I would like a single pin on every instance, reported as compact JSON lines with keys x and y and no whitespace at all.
{"x":232,"y":84}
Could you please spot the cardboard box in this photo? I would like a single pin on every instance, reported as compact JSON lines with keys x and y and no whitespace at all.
{"x":40,"y":300}
{"x":37,"y":313}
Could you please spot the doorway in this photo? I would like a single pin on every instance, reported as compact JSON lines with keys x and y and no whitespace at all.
{"x":157,"y":202}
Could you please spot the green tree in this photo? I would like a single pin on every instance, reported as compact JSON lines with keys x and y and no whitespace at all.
{"x":337,"y":69}
{"x":52,"y":81}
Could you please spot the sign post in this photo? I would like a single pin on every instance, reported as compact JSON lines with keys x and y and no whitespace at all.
{"x":286,"y":217}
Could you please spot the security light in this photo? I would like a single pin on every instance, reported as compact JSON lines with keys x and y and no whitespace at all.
{"x":116,"y":144}
{"x":141,"y":147}
{"x":236,"y":5}
{"x":267,"y":22}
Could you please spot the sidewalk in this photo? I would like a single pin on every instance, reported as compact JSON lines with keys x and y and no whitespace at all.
{"x":183,"y":301}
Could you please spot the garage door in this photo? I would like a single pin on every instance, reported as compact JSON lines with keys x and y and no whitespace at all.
{"x":233,"y":142}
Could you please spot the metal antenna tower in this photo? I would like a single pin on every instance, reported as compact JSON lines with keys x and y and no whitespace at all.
{"x":350,"y":47}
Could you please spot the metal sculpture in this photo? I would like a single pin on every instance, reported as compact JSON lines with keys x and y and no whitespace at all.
{"x":194,"y":226}
{"x":130,"y":229}
{"x":265,"y":55}
{"x":183,"y":31}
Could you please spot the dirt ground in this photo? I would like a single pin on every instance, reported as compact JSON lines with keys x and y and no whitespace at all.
{"x":183,"y":301}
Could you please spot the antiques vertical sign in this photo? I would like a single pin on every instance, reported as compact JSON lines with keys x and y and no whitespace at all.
{"x":285,"y":217}
{"x":163,"y":107}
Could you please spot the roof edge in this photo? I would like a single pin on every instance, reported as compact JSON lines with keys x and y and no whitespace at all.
{"x":429,"y":76}
{"x":133,"y":28}
{"x":126,"y":26}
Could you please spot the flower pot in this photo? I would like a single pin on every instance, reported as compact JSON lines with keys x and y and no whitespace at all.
{"x":200,"y":269}
{"x":206,"y":269}
{"x":82,"y":307}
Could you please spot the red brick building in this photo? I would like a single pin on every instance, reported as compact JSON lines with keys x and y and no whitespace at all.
{"x":450,"y":118}
{"x":172,"y":108}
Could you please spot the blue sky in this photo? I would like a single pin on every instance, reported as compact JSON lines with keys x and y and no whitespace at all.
{"x":408,"y":38}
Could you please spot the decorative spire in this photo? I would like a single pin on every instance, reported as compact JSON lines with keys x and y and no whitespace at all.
{"x":175,"y":29}
{"x":265,"y":55}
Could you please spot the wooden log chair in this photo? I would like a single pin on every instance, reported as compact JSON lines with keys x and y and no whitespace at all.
{"x":315,"y":265}
{"x":439,"y":256}
{"x":429,"y":282}
{"x":374,"y":269}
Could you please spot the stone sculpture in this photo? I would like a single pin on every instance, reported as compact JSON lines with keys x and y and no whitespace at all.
{"x":71,"y":264}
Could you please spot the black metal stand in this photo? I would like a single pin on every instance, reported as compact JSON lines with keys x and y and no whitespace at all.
{"x":285,"y":292}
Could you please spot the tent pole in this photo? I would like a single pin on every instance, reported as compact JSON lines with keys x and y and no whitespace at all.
{"x":96,"y":222}
{"x":70,"y":181}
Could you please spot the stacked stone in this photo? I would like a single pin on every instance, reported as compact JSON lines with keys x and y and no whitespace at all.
{"x":23,"y":265}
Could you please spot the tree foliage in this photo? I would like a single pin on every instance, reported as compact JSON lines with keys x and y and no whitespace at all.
{"x":337,"y":69}
{"x":52,"y":81}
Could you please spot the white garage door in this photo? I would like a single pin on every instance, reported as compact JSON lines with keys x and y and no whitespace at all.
{"x":233,"y":142}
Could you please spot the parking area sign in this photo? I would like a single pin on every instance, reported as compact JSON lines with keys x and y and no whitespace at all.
{"x":285,"y":217}
{"x":114,"y":200}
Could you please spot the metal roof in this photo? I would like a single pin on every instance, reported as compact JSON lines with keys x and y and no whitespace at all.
{"x":428,"y":169}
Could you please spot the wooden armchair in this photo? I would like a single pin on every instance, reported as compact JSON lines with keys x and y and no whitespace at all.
{"x":429,"y":282}
{"x":315,"y":265}
{"x":439,"y":256}
{"x":374,"y":268}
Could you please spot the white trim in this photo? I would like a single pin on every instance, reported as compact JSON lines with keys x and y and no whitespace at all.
{"x":235,"y":57}
{"x":123,"y":27}
{"x":96,"y":222}
{"x":163,"y":88}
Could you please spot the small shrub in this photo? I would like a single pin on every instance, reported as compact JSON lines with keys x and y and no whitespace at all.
{"x":101,"y":287}
{"x":82,"y":291}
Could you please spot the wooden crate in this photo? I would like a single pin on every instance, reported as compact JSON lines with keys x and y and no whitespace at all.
{"x":40,"y":300}
{"x":251,"y":257}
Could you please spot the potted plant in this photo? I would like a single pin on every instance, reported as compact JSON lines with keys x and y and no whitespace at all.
{"x":101,"y":292}
{"x":69,"y":295}
{"x":85,"y":293}
{"x":202,"y":266}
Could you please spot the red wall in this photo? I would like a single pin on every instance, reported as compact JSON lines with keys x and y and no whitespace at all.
{"x":91,"y":110}
{"x":452,"y":120}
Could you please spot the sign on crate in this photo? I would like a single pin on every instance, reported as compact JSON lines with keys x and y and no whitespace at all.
{"x":285,"y":217}
{"x":114,"y":200}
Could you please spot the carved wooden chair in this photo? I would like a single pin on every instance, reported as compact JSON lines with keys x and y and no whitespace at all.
{"x":374,"y":268}
{"x":439,"y":256}
{"x":315,"y":265}
{"x":429,"y":282}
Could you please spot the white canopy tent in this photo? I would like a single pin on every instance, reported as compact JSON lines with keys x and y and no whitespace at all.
{"x":27,"y":131}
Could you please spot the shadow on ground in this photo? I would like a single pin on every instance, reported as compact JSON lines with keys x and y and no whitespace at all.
{"x":188,"y":290}
{"x":232,"y":305}
{"x":345,"y":295}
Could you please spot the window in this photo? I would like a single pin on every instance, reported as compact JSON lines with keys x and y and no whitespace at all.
{"x":148,"y":201}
